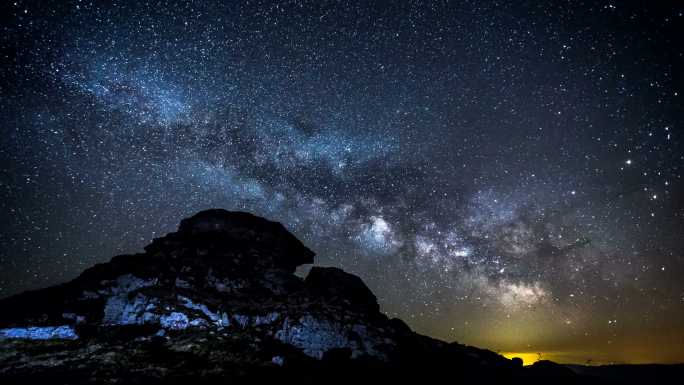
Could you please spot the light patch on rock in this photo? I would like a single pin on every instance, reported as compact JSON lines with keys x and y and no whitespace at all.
{"x":316,"y":336}
{"x":266,"y":319}
{"x":199,"y":323}
{"x":202,"y":308}
{"x":241,"y":320}
{"x":63,"y":332}
{"x":128,"y":283}
{"x":122,"y":310}
{"x":225,"y":321}
{"x":174,"y":321}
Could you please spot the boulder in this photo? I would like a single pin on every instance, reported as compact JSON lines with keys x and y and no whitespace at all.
{"x":337,"y":286}
{"x":233,"y":238}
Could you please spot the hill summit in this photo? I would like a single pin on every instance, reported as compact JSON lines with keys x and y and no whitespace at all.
{"x":218,"y":301}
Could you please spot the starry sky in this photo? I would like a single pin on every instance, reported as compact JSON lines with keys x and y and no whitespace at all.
{"x":506,"y":174}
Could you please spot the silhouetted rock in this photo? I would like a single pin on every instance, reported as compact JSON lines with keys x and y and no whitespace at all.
{"x":249,"y":240}
{"x":546,"y":368}
{"x":336,"y":286}
{"x":218,"y":300}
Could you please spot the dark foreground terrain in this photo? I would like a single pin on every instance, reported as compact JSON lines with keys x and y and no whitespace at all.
{"x":632,"y":374}
{"x":218,"y":302}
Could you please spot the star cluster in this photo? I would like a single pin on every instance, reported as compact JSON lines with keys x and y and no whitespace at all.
{"x":504,"y":174}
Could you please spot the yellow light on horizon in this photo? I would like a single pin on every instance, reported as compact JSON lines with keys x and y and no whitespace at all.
{"x":528,"y":358}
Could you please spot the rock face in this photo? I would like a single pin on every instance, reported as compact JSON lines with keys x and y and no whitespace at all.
{"x":216,"y":301}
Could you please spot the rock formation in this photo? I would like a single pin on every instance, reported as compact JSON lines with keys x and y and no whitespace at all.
{"x":218,"y":301}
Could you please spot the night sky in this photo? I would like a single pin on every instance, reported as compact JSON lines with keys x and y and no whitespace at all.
{"x":503,"y":174}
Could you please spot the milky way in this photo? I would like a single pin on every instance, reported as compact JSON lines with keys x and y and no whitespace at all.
{"x":503,"y":174}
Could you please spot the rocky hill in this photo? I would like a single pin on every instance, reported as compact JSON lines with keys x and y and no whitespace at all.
{"x":218,"y":302}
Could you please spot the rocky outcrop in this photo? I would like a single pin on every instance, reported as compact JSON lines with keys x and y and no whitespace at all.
{"x":333,"y":285}
{"x":216,"y":299}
